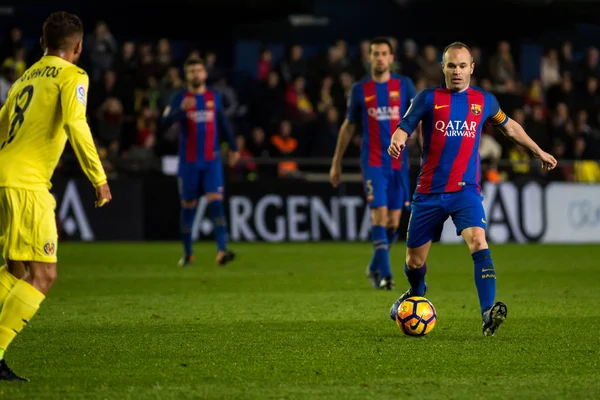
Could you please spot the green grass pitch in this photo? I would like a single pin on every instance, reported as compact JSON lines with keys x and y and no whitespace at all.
{"x":301,"y":322}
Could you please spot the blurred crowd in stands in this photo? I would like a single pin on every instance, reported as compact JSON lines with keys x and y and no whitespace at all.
{"x":299,"y":102}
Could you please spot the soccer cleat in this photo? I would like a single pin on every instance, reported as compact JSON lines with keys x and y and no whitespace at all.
{"x":374,"y":277}
{"x":493,"y":317}
{"x":387,"y":283}
{"x":225,"y":257}
{"x":396,"y":305}
{"x":6,"y":374}
{"x":186,"y":261}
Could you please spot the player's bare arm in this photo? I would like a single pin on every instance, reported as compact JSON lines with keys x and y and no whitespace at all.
{"x":514,"y":131}
{"x":344,"y":137}
{"x":398,"y":143}
{"x":74,"y":102}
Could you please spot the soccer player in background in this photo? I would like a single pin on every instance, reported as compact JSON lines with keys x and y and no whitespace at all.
{"x":45,"y":107}
{"x":200,"y":113}
{"x":452,"y":117}
{"x":378,"y":102}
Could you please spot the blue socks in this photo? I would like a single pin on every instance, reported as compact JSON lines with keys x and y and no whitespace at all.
{"x":187,"y":215}
{"x":216,"y":212}
{"x":392,"y":235}
{"x":381,"y":255}
{"x":416,"y":279}
{"x":485,"y":278}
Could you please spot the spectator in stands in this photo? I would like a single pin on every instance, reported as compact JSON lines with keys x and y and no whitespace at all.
{"x":293,"y":64}
{"x":562,"y":107}
{"x":285,"y":148}
{"x":245,"y":167}
{"x":102,"y":48}
{"x":429,"y":63}
{"x":7,"y":77}
{"x":502,"y":65}
{"x":265,"y":64}
{"x":299,"y":105}
{"x":17,"y":61}
{"x":550,"y":68}
{"x":109,"y":123}
{"x":268,"y":105}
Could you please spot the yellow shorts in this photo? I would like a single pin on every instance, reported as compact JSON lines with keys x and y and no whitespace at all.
{"x":28,"y":225}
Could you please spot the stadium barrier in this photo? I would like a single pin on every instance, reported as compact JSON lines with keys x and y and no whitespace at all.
{"x":300,"y":211}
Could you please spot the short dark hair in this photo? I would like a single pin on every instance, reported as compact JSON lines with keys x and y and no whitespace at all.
{"x":458,"y":45}
{"x":381,"y":40}
{"x":60,"y":28}
{"x":193,"y":61}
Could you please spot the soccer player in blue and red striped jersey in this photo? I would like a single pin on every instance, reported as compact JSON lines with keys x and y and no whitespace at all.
{"x":378,"y":103}
{"x":200,"y":114}
{"x":452,"y":116}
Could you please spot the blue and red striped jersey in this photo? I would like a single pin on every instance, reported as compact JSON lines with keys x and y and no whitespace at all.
{"x":452,"y":124}
{"x":379,"y":106}
{"x":199,"y":127}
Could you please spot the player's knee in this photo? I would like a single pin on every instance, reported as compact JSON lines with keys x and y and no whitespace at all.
{"x":476,"y":241}
{"x":393,"y":221}
{"x":379,"y":216}
{"x":43,"y":275}
{"x":392,"y":226}
{"x":415,"y":258}
{"x":16,"y":268}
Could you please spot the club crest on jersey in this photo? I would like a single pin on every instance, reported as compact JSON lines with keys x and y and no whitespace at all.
{"x":49,"y":248}
{"x":394,"y":95}
{"x":80,"y":93}
{"x":476,"y":109}
{"x":210,"y":104}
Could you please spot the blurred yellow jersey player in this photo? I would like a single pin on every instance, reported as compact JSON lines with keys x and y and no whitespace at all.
{"x":45,"y":107}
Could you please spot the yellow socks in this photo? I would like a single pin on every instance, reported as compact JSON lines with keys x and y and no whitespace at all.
{"x":7,"y":281}
{"x":20,"y":306}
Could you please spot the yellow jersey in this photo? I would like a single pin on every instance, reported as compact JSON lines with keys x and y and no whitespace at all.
{"x":45,"y":107}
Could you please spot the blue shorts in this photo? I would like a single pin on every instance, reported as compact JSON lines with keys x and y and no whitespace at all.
{"x":387,"y":187}
{"x":430,"y":211}
{"x":195,"y":180}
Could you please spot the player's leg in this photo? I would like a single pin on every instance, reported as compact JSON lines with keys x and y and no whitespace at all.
{"x":376,"y":192}
{"x":213,"y":187}
{"x":9,"y":276}
{"x":424,"y":227}
{"x":7,"y":281}
{"x":398,"y":193}
{"x":189,"y":194}
{"x":396,"y":199}
{"x":393,"y":222}
{"x":30,"y":235}
{"x":9,"y":273}
{"x":468,"y":215}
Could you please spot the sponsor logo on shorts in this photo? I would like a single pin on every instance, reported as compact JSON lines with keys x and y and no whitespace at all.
{"x":49,"y":248}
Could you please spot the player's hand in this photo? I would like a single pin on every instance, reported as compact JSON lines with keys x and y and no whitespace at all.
{"x":103,"y":195}
{"x":335,"y":175}
{"x":234,"y":157}
{"x":188,"y":103}
{"x":548,"y":161}
{"x":398,"y":143}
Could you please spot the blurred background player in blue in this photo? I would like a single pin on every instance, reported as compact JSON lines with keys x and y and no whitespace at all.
{"x":199,"y":112}
{"x":378,"y":102}
{"x":453,"y":115}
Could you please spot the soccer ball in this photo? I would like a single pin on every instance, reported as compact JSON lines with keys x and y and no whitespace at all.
{"x":416,"y":316}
